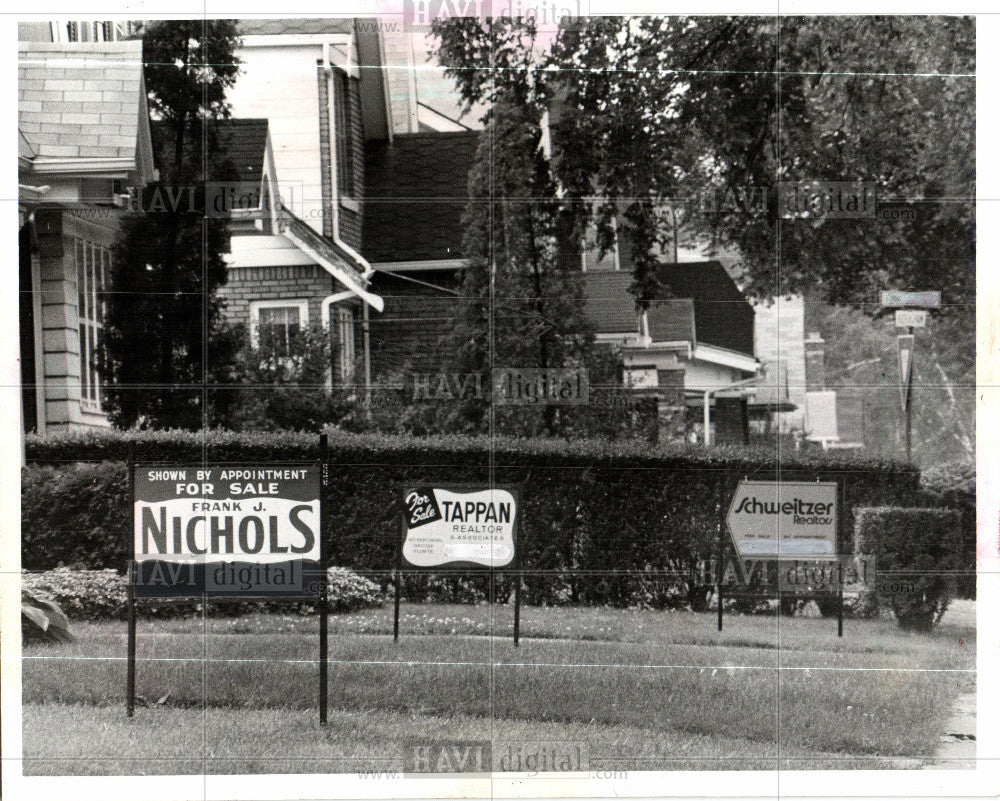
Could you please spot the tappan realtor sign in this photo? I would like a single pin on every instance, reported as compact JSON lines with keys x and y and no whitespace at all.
{"x":459,"y":527}
{"x":226,"y":530}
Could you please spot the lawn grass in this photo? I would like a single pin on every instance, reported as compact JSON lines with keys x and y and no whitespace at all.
{"x":83,"y":740}
{"x":641,"y":678}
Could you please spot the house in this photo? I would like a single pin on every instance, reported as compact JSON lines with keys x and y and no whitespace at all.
{"x":370,"y":173}
{"x":84,"y":137}
{"x":693,"y":346}
{"x":373,"y":155}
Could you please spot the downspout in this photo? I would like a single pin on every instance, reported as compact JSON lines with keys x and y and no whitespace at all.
{"x":367,"y":270}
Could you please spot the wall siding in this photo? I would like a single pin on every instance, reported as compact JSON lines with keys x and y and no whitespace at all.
{"x":247,"y":284}
{"x":407,"y":333}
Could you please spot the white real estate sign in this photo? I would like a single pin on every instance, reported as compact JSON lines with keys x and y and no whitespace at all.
{"x":459,"y":527}
{"x":784,"y":520}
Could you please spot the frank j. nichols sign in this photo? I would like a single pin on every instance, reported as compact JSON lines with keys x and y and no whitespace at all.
{"x":459,"y":527}
{"x":227,"y":530}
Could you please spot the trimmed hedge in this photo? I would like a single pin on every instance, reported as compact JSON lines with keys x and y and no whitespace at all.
{"x":605,"y":519}
{"x":102,"y":594}
{"x":953,"y":485}
{"x":916,"y":551}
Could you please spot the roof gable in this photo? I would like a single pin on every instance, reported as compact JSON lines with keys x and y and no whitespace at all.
{"x":81,"y":100}
{"x":696,"y":302}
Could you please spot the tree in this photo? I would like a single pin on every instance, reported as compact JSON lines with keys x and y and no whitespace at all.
{"x":686,"y":127}
{"x":164,"y":341}
{"x":523,"y":289}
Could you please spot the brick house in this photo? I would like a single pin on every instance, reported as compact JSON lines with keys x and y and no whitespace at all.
{"x":84,"y":137}
{"x":370,"y":176}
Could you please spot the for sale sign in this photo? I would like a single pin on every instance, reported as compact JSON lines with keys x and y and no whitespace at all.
{"x":784,"y":520}
{"x":226,"y":530}
{"x":459,"y":526}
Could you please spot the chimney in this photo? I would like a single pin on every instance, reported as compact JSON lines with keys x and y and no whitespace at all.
{"x":815,"y":347}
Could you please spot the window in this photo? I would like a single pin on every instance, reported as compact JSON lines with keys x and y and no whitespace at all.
{"x":344,"y":318}
{"x":99,"y":31}
{"x":93,"y":265}
{"x":275,"y":325}
{"x":344,"y":139}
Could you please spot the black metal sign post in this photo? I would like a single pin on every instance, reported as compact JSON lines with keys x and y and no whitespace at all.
{"x":841,"y":517}
{"x":324,"y":591}
{"x":518,"y":579}
{"x":720,"y":547}
{"x":399,"y":579}
{"x":130,"y":668}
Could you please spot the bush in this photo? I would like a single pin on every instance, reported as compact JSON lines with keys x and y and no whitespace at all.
{"x":915,"y":552}
{"x":42,"y":620}
{"x":103,"y":595}
{"x":601,"y":520}
{"x":954,"y":485}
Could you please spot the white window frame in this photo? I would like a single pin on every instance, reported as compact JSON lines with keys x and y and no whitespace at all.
{"x":93,"y":266}
{"x":302,"y":304}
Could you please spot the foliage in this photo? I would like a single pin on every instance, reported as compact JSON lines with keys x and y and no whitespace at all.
{"x":602,"y":520}
{"x":915,"y":551}
{"x":103,"y":594}
{"x":163,"y":338}
{"x":41,"y":618}
{"x":523,"y":279}
{"x":282,"y":386}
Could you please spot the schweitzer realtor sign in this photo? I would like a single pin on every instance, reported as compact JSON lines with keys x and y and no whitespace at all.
{"x":226,"y":530}
{"x":784,"y":520}
{"x":459,"y":527}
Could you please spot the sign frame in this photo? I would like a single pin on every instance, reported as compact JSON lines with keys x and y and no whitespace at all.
{"x":738,"y":559}
{"x":459,"y":567}
{"x":789,"y":557}
{"x":319,"y":586}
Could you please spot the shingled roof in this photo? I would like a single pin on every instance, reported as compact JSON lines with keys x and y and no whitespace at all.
{"x":415,"y":192}
{"x":242,"y":143}
{"x":255,"y":27}
{"x":698,"y":302}
{"x":80,"y":100}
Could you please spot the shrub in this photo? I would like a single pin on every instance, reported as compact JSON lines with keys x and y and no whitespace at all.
{"x":103,"y":595}
{"x":600,"y":519}
{"x":42,"y":620}
{"x":915,"y":552}
{"x":954,"y":485}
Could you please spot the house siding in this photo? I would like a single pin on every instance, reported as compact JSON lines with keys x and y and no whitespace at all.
{"x":60,"y":345}
{"x":298,"y":282}
{"x":407,"y":334}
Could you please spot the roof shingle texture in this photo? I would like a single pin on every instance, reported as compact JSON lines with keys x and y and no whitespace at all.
{"x":415,"y":193}
{"x":256,"y":27}
{"x":241,"y":144}
{"x":697,"y":302}
{"x":80,"y":100}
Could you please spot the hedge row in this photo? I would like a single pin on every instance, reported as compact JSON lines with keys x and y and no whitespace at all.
{"x":603,"y":519}
{"x":916,"y":553}
{"x":102,"y":594}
